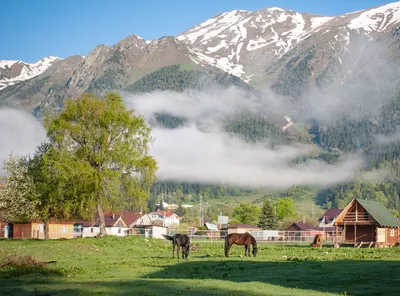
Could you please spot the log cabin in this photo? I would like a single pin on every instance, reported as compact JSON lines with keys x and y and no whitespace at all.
{"x":367,"y":222}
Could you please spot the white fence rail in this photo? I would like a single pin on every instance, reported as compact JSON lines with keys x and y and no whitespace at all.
{"x":262,"y":236}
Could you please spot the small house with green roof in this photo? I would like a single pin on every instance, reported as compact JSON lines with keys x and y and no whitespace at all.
{"x":369,"y":222}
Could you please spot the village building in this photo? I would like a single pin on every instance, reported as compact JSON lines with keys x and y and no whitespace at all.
{"x":4,"y":229}
{"x":367,"y":222}
{"x":35,"y":230}
{"x":242,"y":228}
{"x":328,"y":218}
{"x":299,"y":231}
{"x":153,"y":231}
{"x":165,"y":218}
{"x":115,"y":225}
{"x":135,"y":218}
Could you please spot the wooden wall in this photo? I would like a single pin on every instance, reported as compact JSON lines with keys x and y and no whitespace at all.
{"x":363,"y":233}
{"x":392,"y":240}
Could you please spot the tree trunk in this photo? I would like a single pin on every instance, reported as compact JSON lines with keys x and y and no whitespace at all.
{"x":102,"y":224}
{"x":46,"y":229}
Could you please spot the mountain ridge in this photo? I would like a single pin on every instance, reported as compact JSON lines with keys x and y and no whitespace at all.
{"x":258,"y":47}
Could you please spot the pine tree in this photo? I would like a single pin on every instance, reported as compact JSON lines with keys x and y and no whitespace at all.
{"x":268,"y":216}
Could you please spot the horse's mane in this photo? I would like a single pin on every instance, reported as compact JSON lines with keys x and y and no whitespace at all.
{"x":254,"y":242}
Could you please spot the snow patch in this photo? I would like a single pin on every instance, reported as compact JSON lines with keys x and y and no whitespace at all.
{"x":318,"y":21}
{"x":377,"y":19}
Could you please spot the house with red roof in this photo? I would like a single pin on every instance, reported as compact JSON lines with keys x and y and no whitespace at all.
{"x":164,"y":217}
{"x":135,"y":218}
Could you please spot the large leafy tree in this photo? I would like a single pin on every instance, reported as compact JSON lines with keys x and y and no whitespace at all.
{"x":285,"y":207}
{"x":268,"y":216}
{"x":101,"y":152}
{"x":246,"y":213}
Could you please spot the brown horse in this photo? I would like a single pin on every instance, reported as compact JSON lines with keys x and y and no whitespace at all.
{"x":245,"y":239}
{"x":318,"y":239}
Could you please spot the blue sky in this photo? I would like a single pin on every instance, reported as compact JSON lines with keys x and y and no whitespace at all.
{"x":32,"y":29}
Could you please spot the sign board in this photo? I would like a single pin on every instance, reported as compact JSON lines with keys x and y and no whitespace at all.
{"x":212,"y":226}
{"x":223,"y":219}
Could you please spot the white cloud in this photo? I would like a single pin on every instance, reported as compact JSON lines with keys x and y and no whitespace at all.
{"x":20,"y":133}
{"x":200,"y":152}
{"x":188,"y":154}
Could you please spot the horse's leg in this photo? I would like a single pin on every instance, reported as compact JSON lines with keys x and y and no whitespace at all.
{"x":248,"y":250}
{"x":227,"y":249}
{"x":177,"y":252}
{"x":173,"y":250}
{"x":245,"y":250}
{"x":183,"y":252}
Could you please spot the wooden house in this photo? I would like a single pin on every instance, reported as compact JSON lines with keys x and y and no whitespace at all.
{"x":3,"y":229}
{"x":35,"y":229}
{"x":368,"y":222}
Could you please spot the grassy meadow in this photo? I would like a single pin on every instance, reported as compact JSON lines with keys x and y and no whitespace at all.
{"x":139,"y":266}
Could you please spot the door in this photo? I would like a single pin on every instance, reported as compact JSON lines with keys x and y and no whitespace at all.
{"x":381,"y":235}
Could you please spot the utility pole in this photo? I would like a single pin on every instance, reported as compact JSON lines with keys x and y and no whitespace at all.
{"x":312,"y":211}
{"x":201,"y":211}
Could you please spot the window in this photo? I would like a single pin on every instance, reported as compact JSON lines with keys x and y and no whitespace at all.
{"x":63,"y":229}
{"x":119,"y":230}
{"x":91,"y":230}
{"x":77,"y":228}
{"x":392,"y":232}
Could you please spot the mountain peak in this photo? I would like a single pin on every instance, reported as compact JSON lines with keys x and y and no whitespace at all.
{"x":13,"y":71}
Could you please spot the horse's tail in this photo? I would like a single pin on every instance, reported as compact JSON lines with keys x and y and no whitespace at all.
{"x":168,"y":237}
{"x":226,"y":246}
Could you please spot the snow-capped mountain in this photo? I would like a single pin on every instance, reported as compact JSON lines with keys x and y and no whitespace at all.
{"x":12,"y":72}
{"x":234,"y":40}
{"x":272,"y":47}
{"x":245,"y":43}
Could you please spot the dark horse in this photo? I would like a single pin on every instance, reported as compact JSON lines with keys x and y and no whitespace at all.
{"x":180,"y":240}
{"x":245,"y":239}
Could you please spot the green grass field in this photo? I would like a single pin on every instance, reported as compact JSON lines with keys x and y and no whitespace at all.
{"x":139,"y":266}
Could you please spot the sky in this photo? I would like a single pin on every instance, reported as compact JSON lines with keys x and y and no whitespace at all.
{"x":31,"y":30}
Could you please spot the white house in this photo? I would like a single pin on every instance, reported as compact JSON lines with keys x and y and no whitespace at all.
{"x":166,"y":217}
{"x":115,"y":225}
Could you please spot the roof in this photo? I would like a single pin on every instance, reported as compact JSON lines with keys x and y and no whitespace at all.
{"x":51,"y":221}
{"x":164,"y":213}
{"x":302,"y":226}
{"x":110,"y":221}
{"x":330,"y":214}
{"x":130,"y":217}
{"x":379,"y":212}
{"x":244,"y":226}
